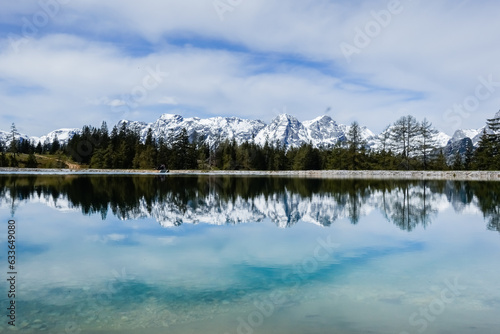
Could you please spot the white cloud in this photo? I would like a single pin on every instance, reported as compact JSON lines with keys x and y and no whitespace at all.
{"x":116,"y":103}
{"x":265,"y":55}
{"x":168,"y":100}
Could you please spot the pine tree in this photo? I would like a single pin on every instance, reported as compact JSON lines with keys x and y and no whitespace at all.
{"x":32,"y":162}
{"x":13,"y":141}
{"x":427,"y":142}
{"x":39,"y":149}
{"x":114,"y":138}
{"x":192,"y":155}
{"x":149,"y":154}
{"x":145,"y":158}
{"x":161,"y":157}
{"x":469,"y":155}
{"x":104,"y":140}
{"x":46,"y":146}
{"x":240,"y":156}
{"x":229,"y":155}
{"x":55,"y":146}
{"x":279,"y":160}
{"x":257,"y":157}
{"x":13,"y":161}
{"x":3,"y":160}
{"x":97,"y":160}
{"x":334,"y":157}
{"x":355,"y":148}
{"x":457,"y":161}
{"x":120,"y":156}
{"x":60,"y":161}
{"x":494,"y":125}
{"x":440,"y":162}
{"x":484,"y":153}
{"x":300,"y":161}
{"x":494,"y":137}
{"x":180,"y":147}
{"x":203,"y":156}
{"x":149,"y":139}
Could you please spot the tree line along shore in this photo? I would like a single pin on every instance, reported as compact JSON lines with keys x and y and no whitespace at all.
{"x":407,"y":145}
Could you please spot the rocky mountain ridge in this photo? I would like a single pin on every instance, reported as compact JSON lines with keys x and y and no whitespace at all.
{"x":284,"y":129}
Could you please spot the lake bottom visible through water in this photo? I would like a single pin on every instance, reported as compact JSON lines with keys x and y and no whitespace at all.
{"x":251,"y":255}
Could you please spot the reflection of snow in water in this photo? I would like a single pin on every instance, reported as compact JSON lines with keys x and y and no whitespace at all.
{"x":195,"y":278}
{"x":285,"y":209}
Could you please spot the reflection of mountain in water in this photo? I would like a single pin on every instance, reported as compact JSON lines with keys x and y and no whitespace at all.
{"x":173,"y":201}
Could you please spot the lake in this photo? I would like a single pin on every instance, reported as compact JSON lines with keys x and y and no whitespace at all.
{"x":215,"y":254}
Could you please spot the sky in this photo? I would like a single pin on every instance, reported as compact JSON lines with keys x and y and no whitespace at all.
{"x":69,"y":63}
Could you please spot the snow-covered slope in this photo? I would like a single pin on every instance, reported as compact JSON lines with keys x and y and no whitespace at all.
{"x":324,"y":131}
{"x":284,"y":129}
{"x":467,"y":133}
{"x":210,"y":130}
{"x":6,"y":137}
{"x":63,"y":136}
{"x":473,"y":134}
{"x":441,"y":139}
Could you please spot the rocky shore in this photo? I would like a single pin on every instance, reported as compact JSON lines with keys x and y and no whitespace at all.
{"x":334,"y":174}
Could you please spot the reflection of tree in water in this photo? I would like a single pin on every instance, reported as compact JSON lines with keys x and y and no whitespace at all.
{"x":285,"y":201}
{"x":460,"y":194}
{"x":353,"y":194}
{"x":488,"y":197}
{"x":410,"y":204}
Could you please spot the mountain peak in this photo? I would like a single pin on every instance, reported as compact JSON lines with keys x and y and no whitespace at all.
{"x":171,"y":117}
{"x":284,"y":117}
{"x":325,"y":119}
{"x":284,"y":129}
{"x":465,"y":133}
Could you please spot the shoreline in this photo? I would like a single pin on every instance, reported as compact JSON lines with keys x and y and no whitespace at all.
{"x":326,"y":174}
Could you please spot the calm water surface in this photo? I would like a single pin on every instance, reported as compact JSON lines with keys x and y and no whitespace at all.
{"x":206,"y":254}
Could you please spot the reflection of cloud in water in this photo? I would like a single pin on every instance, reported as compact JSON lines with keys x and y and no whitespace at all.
{"x":124,"y":273}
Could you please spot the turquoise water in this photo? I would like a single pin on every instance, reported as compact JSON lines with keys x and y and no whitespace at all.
{"x":195,"y":254}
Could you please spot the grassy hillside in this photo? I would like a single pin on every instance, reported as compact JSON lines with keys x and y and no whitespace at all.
{"x":42,"y":161}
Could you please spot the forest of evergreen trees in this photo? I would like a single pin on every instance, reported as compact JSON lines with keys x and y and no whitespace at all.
{"x":406,"y":145}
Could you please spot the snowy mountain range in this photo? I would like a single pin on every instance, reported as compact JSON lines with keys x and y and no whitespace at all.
{"x":285,"y":129}
{"x":473,"y":134}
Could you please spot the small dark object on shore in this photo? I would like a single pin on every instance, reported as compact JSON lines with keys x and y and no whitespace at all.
{"x":162,"y":169}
